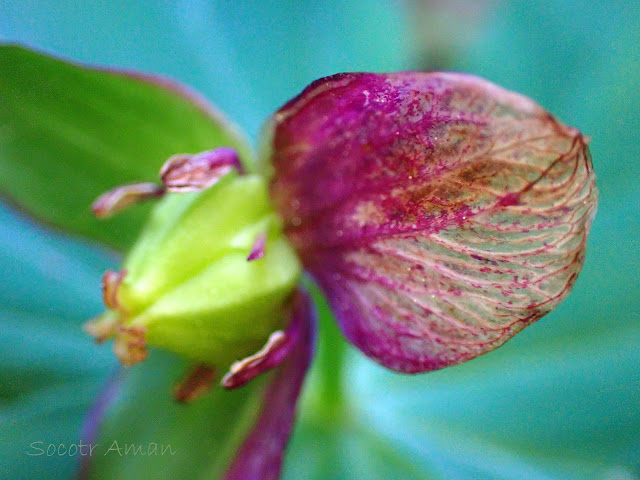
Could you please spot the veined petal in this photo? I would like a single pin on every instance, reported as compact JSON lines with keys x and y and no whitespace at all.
{"x":440,"y":213}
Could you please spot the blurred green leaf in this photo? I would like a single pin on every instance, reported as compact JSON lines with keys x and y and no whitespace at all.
{"x":203,"y":435}
{"x":68,"y":133}
{"x":558,"y":408}
{"x":350,"y":447}
{"x":248,"y":60}
{"x":51,"y":371}
{"x":532,"y":410}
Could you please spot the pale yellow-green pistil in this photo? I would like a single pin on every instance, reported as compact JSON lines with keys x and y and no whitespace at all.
{"x":187,"y":284}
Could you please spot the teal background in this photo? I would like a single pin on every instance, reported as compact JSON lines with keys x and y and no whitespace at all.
{"x":559,"y":401}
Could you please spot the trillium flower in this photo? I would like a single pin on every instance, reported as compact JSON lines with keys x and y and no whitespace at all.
{"x":439,"y":214}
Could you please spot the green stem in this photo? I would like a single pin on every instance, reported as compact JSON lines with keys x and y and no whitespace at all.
{"x":331,"y":358}
{"x":329,"y":362}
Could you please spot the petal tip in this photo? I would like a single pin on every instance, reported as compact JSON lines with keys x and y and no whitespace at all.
{"x":259,"y":248}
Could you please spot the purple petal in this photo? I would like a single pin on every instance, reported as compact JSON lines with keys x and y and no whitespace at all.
{"x":440,"y":213}
{"x":94,"y":416}
{"x":260,"y":456}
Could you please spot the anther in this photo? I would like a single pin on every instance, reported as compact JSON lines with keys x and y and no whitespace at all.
{"x":191,"y":173}
{"x":119,"y":198}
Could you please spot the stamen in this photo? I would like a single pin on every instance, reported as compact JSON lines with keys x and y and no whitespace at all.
{"x":196,"y":383}
{"x":110,"y":283}
{"x":130,"y":345}
{"x":258,"y":249}
{"x":103,"y":327}
{"x":272,"y":354}
{"x":119,"y":198}
{"x":191,"y":173}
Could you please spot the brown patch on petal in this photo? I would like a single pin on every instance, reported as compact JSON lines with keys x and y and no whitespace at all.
{"x":130,"y":345}
{"x":196,"y":383}
{"x":479,"y":173}
{"x":368,"y":212}
{"x":119,"y":198}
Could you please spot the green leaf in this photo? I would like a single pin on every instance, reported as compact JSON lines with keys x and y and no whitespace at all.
{"x":51,"y":370}
{"x":351,"y":447}
{"x":68,"y":133}
{"x":556,"y":406}
{"x":248,"y":61}
{"x":533,"y":409}
{"x":198,"y":439}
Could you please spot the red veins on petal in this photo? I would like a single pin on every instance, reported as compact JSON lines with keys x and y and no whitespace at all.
{"x":440,"y":213}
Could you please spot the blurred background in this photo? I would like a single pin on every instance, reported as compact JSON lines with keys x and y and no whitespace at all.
{"x":559,"y":401}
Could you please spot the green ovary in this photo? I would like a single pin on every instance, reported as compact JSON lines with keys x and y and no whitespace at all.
{"x":189,"y":283}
